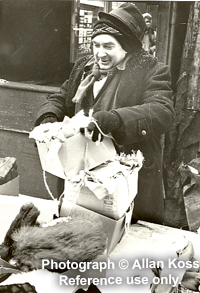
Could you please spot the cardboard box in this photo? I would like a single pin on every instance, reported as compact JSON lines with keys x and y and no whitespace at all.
{"x":76,"y":153}
{"x":114,"y":229}
{"x":97,"y":197}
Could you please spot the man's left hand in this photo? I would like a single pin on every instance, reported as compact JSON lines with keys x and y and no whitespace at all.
{"x":107,"y":122}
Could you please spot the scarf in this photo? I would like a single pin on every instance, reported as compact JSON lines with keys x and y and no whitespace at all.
{"x":87,"y":83}
{"x":102,"y":28}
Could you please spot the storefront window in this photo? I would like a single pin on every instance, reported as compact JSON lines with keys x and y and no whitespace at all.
{"x":86,"y":14}
{"x":85,"y":28}
{"x":41,"y":40}
{"x":35,"y":41}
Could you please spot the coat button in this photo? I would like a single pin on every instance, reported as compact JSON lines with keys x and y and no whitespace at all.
{"x":144,"y":132}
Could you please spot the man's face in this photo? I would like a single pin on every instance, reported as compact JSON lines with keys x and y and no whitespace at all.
{"x":148,"y":22}
{"x":107,"y":51}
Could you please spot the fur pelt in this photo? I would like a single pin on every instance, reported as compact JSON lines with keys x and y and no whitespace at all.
{"x":27,"y":216}
{"x":78,"y":239}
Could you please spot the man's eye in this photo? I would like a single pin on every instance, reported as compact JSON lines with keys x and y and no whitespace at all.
{"x":96,"y":45}
{"x":109,"y":47}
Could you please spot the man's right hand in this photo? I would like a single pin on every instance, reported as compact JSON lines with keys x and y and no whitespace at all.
{"x":49,"y":119}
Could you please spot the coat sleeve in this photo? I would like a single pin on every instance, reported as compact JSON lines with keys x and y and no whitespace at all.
{"x":154,"y":115}
{"x":60,"y":104}
{"x":54,"y":106}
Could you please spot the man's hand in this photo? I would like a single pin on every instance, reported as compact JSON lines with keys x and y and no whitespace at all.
{"x":49,"y":119}
{"x":107,"y":122}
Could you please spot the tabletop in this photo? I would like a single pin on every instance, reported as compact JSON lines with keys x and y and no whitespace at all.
{"x":128,"y":267}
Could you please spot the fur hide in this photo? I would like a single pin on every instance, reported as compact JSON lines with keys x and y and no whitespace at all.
{"x":78,"y":239}
{"x":27,"y":216}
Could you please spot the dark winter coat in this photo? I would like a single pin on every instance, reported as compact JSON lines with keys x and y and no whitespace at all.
{"x":143,"y":101}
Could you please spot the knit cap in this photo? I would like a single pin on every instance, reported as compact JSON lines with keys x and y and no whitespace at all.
{"x":125,"y":23}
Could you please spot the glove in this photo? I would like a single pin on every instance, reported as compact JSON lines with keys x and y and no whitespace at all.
{"x":49,"y":118}
{"x":107,"y":121}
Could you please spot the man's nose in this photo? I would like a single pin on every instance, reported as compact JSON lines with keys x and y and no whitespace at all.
{"x":101,"y":52}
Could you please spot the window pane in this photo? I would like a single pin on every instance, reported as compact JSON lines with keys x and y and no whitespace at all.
{"x":35,"y":41}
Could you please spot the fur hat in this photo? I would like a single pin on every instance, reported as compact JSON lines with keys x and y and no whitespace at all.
{"x":127,"y":22}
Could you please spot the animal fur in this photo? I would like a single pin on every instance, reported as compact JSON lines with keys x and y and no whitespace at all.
{"x":27,"y":216}
{"x":80,"y":239}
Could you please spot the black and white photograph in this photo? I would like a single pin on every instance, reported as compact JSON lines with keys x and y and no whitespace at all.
{"x":99,"y":146}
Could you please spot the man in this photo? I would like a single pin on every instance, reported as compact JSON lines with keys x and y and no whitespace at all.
{"x":149,"y":39}
{"x":130,"y":94}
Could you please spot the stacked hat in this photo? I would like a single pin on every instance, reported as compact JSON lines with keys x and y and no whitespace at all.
{"x":125,"y":23}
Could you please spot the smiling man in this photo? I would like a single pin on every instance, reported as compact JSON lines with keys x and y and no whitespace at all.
{"x":130,"y":94}
{"x":107,"y":51}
